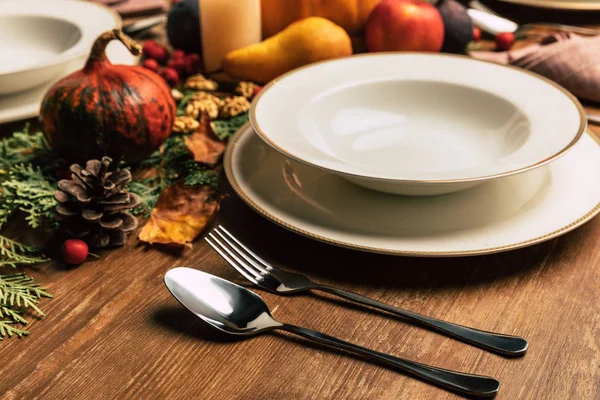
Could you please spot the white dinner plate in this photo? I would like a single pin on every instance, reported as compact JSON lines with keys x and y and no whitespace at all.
{"x":26,"y":104}
{"x":571,"y":5}
{"x":504,"y":214}
{"x":417,"y":123}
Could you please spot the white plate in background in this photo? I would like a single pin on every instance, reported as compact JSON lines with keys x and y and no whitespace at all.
{"x":26,"y":104}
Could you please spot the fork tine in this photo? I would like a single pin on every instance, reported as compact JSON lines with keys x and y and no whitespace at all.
{"x":231,"y":262}
{"x":249,"y":268}
{"x":242,"y":253}
{"x":260,"y":260}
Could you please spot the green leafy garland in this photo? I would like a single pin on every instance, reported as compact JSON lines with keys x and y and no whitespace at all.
{"x":29,"y":173}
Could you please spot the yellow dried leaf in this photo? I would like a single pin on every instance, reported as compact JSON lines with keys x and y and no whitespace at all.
{"x":181,"y":213}
{"x":204,"y":145}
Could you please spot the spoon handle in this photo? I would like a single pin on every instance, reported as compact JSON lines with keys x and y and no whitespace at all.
{"x":499,"y":343}
{"x":472,"y":385}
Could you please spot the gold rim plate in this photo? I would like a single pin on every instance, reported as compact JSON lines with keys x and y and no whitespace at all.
{"x":246,"y":129}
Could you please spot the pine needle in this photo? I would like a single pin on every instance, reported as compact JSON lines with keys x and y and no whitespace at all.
{"x":13,"y":253}
{"x":24,"y":147}
{"x":18,"y":292}
{"x":183,"y":102}
{"x":6,"y":312}
{"x":6,"y":329}
{"x":29,"y":190}
{"x":225,"y":128}
{"x":149,"y":191}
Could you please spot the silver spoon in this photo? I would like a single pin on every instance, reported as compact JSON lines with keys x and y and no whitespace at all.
{"x":236,"y":310}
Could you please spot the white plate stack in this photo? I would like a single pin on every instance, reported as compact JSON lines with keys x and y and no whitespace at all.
{"x":418,"y":154}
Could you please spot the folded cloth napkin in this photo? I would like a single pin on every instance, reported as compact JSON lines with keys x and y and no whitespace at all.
{"x":568,"y":59}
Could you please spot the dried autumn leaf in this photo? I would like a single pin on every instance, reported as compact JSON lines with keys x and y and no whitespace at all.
{"x":204,"y":145}
{"x":180,"y":214}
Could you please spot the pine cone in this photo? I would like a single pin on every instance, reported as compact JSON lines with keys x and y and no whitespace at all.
{"x":93,"y":205}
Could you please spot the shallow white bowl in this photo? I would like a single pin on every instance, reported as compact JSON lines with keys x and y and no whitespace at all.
{"x":39,"y":38}
{"x":417,"y":124}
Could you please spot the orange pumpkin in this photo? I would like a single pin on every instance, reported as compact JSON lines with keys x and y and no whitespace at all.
{"x":349,"y":14}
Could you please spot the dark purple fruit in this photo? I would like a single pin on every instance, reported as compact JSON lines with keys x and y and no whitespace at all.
{"x":458,"y":26}
{"x":183,"y":26}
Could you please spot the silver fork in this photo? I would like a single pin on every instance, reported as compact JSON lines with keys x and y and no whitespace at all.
{"x":272,"y":279}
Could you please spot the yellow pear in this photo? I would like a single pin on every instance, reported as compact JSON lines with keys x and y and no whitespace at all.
{"x":302,"y":42}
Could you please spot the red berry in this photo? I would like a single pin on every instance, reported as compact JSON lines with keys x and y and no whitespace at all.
{"x":256,"y":91}
{"x":150,"y":64}
{"x":179,"y":65}
{"x":74,"y":251}
{"x":504,"y":41}
{"x":177,"y":54}
{"x":170,"y":76}
{"x":476,"y":34}
{"x":193,"y":63}
{"x":154,"y":50}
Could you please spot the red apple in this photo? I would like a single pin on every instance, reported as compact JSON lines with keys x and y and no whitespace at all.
{"x":404,"y":25}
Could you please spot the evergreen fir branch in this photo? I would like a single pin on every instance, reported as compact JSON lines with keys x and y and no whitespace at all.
{"x":29,"y":190}
{"x":24,"y":147}
{"x":6,"y":312}
{"x":20,"y":291}
{"x":13,"y":253}
{"x":179,"y":164}
{"x":5,"y":212}
{"x":225,"y":128}
{"x":154,"y":160}
{"x":7,"y":330}
{"x":198,"y":175}
{"x":149,"y":191}
{"x":183,"y":102}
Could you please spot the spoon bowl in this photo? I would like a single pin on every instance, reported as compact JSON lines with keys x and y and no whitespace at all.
{"x":215,"y":301}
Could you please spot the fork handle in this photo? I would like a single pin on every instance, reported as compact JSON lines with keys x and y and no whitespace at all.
{"x":468,"y":384}
{"x":506,"y":345}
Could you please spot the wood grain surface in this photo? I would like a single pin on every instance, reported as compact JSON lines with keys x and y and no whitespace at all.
{"x":113,"y":331}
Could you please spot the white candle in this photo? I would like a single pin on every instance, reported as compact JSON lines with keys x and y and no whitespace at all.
{"x":227,"y":25}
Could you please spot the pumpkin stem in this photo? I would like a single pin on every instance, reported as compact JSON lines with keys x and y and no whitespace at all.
{"x":99,"y":47}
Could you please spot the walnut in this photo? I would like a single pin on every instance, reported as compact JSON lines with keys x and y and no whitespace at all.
{"x":176,"y":94}
{"x":233,"y":106}
{"x":199,"y":82}
{"x":195,"y":108}
{"x":185,"y":124}
{"x":246,"y":89}
{"x":206,"y":96}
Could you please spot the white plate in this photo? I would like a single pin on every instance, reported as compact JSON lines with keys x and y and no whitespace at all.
{"x":43,"y":36}
{"x":27,"y":104}
{"x":572,"y":5}
{"x":504,"y":214}
{"x":414,"y":123}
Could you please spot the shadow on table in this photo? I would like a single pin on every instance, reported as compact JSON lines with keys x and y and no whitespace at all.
{"x":307,"y":343}
{"x":179,"y":319}
{"x":325,"y":262}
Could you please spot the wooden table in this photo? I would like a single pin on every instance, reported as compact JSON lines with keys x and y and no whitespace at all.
{"x":113,"y":331}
